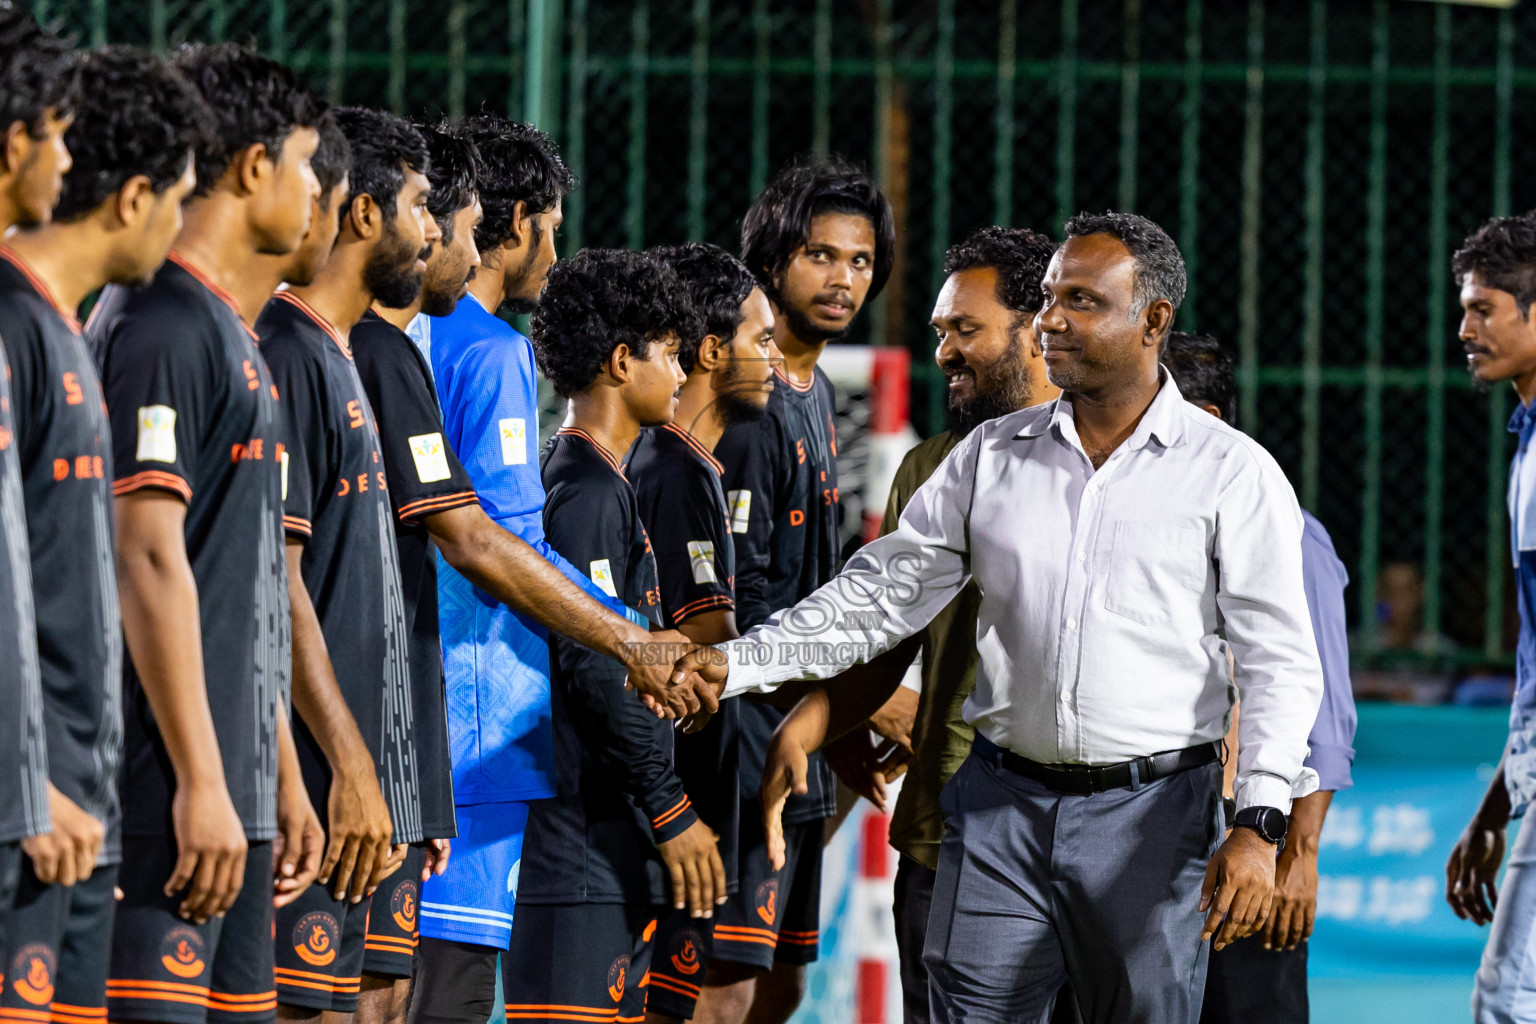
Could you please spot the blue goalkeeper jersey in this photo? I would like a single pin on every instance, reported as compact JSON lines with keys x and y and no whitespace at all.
{"x":496,"y":662}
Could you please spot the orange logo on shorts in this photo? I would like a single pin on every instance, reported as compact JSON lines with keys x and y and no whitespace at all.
{"x":768,"y":900}
{"x":181,"y":953}
{"x":685,"y":958}
{"x":315,"y":939}
{"x":617,"y":974}
{"x":33,"y":970}
{"x":402,"y":906}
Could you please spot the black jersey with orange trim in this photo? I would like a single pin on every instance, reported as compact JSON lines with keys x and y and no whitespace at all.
{"x":424,"y":477}
{"x":780,"y":483}
{"x":194,"y":413}
{"x":618,"y":794}
{"x":682,"y":505}
{"x":23,"y":743}
{"x":64,"y":449}
{"x":336,"y":502}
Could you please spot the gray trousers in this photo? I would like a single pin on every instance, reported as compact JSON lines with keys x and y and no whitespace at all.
{"x":1035,"y":889}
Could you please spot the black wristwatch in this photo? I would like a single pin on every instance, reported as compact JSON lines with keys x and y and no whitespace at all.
{"x":1269,"y":822}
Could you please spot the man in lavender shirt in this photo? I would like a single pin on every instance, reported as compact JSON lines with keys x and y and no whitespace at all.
{"x":1264,"y":978}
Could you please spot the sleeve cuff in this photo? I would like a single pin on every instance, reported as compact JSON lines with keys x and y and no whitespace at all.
{"x":413,"y":513}
{"x":297,"y":526}
{"x":675,"y":821}
{"x":744,"y":674}
{"x":157,"y":479}
{"x":1262,"y":789}
{"x":1332,"y":764}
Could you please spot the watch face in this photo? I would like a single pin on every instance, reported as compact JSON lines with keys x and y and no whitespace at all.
{"x":1273,"y":823}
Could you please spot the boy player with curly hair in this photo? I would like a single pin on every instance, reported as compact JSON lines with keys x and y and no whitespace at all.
{"x":620,"y":841}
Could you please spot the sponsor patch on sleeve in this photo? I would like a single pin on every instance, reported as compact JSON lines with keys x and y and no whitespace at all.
{"x":514,"y":441}
{"x":282,"y":460}
{"x":741,"y":510}
{"x":431,"y":457}
{"x":157,"y":434}
{"x":701,"y":558}
{"x":602,"y":574}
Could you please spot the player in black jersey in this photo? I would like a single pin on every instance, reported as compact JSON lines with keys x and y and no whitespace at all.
{"x":621,"y":841}
{"x":351,"y":675}
{"x":36,"y":93}
{"x":197,"y":458}
{"x":118,"y":212}
{"x":677,"y":487}
{"x":821,"y":241}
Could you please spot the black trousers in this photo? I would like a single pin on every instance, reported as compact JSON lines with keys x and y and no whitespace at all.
{"x":914,"y":898}
{"x":1248,"y":984}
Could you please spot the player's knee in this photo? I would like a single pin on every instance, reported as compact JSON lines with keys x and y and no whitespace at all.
{"x":727,"y":994}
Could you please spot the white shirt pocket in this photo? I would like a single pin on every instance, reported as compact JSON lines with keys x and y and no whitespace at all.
{"x":1153,"y":568}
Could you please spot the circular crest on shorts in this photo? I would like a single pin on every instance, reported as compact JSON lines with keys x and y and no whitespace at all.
{"x":402,"y":906}
{"x":32,"y":969}
{"x":618,"y":974}
{"x":181,"y":952}
{"x":316,"y":937}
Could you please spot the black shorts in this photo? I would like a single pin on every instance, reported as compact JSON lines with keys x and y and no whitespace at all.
{"x":682,"y":953}
{"x":390,"y":944}
{"x":318,"y":950}
{"x":61,"y":940}
{"x":776,"y":914}
{"x":579,"y":962}
{"x":165,"y":968}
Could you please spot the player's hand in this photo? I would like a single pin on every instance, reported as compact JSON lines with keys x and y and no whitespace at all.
{"x":863,"y":766}
{"x":358,"y":849}
{"x":1294,"y":908}
{"x":435,"y":858}
{"x":67,"y":854}
{"x":1472,"y":872}
{"x":396,"y":857}
{"x":652,"y":665}
{"x":896,"y":717}
{"x":785,"y":771}
{"x":698,"y":875}
{"x":210,"y":851}
{"x":299,"y":844}
{"x":700,"y":673}
{"x":1238,"y":887}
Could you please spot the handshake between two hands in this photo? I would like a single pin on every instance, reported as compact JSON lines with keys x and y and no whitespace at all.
{"x":675,"y":677}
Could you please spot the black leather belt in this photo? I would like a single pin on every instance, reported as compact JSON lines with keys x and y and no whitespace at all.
{"x":1083,"y":779}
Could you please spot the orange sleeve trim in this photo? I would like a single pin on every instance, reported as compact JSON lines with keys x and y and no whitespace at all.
{"x":415,"y":509}
{"x":297,"y":525}
{"x":152,"y":478}
{"x":702,"y":604}
{"x":672,"y":813}
{"x":672,"y":984}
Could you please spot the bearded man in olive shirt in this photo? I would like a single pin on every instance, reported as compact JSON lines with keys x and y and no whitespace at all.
{"x":992,"y":362}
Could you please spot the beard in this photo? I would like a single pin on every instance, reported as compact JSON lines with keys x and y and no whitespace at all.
{"x":391,"y":274}
{"x":804,"y":328}
{"x":733,"y":396}
{"x":440,"y":296}
{"x":1001,"y":389}
{"x":521,"y":304}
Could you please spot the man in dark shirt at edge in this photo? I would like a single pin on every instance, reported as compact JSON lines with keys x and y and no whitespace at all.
{"x":351,"y":676}
{"x":37,"y":90}
{"x":682,"y":505}
{"x":621,"y":840}
{"x":821,"y":241}
{"x":993,"y":364}
{"x":117,"y":215}
{"x":208,"y":754}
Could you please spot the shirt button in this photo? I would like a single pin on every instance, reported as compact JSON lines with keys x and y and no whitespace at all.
{"x":1071,"y":623}
{"x":1082,"y":556}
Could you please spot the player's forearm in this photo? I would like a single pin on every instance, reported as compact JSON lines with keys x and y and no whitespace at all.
{"x":861,"y":691}
{"x":317,"y":697}
{"x":1493,"y":812}
{"x":159,"y":603}
{"x":1306,"y":827}
{"x":506,"y":567}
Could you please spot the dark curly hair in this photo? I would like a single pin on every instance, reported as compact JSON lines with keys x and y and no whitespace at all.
{"x":780,"y":218}
{"x":518,"y":164}
{"x":135,"y":115}
{"x":1502,"y":253}
{"x":453,"y":168}
{"x":37,"y":71}
{"x":1204,"y":371}
{"x":1019,"y":256}
{"x":383,"y":146}
{"x":598,"y":300}
{"x":1159,"y":264}
{"x":717,"y":284}
{"x":332,"y":160}
{"x":254,"y":99}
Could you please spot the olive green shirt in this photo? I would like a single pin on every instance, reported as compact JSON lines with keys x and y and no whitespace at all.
{"x":941,"y":739}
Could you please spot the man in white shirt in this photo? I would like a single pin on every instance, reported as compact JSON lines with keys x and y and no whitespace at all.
{"x":1123,"y":541}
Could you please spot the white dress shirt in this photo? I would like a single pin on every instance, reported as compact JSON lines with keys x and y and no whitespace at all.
{"x":1109,"y":597}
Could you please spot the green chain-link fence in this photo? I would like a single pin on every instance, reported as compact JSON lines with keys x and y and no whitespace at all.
{"x":1317,"y":162}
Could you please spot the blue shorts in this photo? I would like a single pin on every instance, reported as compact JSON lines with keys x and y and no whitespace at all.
{"x":472,"y":901}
